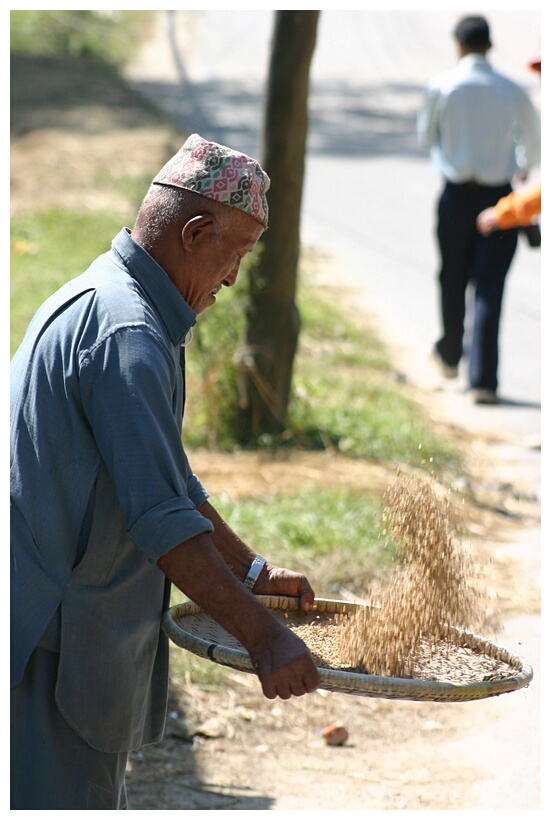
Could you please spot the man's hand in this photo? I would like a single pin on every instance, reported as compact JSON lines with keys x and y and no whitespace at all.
{"x":284,"y":665}
{"x":279,"y":581}
{"x":486,"y":221}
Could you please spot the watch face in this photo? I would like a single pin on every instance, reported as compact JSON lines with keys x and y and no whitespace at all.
{"x":254,"y":572}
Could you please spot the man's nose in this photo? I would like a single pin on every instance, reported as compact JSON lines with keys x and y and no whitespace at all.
{"x":231,"y":278}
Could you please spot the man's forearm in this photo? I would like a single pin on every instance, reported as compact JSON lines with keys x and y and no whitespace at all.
{"x":238,"y":555}
{"x":198,"y":569}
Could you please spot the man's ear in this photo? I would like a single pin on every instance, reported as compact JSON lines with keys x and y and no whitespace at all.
{"x":196,"y":229}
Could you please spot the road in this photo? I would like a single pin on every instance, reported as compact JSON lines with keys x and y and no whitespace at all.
{"x":368,"y":203}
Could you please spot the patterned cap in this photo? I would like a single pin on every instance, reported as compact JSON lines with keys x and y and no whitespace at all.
{"x":219,"y":173}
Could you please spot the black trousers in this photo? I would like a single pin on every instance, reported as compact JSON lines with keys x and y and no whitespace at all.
{"x":467,"y":257}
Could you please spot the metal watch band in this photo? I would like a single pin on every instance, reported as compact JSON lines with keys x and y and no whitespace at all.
{"x":254,"y":571}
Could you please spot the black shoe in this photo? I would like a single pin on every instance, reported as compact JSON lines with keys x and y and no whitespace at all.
{"x":449,"y":371}
{"x":481,"y":395}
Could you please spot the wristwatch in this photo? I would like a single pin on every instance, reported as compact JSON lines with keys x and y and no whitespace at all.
{"x":254,"y":571}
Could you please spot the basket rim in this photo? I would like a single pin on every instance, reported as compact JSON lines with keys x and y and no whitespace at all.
{"x":356,"y":683}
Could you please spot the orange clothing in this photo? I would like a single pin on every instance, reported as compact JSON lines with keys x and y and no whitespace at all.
{"x":519,"y":208}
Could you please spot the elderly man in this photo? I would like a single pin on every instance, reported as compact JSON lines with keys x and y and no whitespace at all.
{"x":105,"y":509}
{"x":482,"y":130}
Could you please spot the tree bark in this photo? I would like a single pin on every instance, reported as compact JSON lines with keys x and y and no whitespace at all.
{"x":273,"y":321}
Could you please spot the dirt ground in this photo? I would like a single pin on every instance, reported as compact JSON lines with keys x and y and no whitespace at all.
{"x":235,"y":750}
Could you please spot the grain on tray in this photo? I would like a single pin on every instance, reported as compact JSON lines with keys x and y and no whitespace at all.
{"x":443,"y":661}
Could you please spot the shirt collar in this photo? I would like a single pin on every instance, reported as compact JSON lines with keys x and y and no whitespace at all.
{"x":174,"y":311}
{"x":474,"y":60}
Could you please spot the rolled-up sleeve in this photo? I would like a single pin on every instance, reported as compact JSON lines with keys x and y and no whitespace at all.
{"x":163,"y":527}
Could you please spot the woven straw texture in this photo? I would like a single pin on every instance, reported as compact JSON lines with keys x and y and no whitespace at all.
{"x":192,"y":629}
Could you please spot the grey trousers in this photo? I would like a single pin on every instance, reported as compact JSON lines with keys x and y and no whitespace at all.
{"x":52,"y":767}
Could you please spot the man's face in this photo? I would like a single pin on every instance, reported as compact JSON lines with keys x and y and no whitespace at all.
{"x":215,"y":259}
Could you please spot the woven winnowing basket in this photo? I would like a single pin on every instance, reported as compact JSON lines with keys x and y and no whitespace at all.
{"x":191,"y":628}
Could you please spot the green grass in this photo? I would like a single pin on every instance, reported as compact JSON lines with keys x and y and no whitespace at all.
{"x":334,"y":535}
{"x":48,"y":248}
{"x":367,"y":417}
{"x":109,"y":37}
{"x":345,"y":394}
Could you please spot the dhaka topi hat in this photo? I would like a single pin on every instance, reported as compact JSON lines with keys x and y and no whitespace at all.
{"x":219,"y":173}
{"x":473,"y":32}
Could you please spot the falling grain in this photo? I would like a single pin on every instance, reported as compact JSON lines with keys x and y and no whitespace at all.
{"x":432,"y":592}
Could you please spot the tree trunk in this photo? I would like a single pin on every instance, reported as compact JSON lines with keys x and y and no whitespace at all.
{"x":273,"y":321}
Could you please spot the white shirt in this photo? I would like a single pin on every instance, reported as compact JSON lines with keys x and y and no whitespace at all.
{"x":478,"y":124}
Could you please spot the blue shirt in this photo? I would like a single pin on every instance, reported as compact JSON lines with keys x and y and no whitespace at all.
{"x":100,"y":483}
{"x":478,"y":124}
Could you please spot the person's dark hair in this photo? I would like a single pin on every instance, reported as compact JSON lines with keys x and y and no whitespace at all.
{"x":473,"y":32}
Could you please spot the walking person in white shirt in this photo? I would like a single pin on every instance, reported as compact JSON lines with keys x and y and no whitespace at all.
{"x":482,"y":131}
